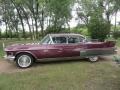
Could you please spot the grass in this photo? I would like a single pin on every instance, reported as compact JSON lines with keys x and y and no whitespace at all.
{"x":69,"y":75}
{"x":118,"y":42}
{"x":72,"y":75}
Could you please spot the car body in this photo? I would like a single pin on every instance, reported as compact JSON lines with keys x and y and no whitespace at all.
{"x":58,"y":47}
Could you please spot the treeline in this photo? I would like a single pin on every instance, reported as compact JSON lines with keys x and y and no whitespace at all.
{"x":53,"y":16}
{"x":13,"y":35}
{"x":37,"y":15}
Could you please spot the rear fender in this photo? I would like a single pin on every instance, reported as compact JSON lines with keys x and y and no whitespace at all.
{"x":110,"y":43}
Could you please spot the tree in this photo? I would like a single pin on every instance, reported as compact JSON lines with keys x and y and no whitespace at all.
{"x":91,"y":13}
{"x":98,"y":28}
{"x":116,"y":4}
{"x":60,"y":13}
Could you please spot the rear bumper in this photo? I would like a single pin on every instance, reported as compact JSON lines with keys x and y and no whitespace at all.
{"x":9,"y":58}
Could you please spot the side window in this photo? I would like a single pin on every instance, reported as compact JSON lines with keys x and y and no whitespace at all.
{"x":59,"y":40}
{"x":81,"y":39}
{"x":73,"y":40}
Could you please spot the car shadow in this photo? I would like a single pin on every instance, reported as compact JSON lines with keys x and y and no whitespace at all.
{"x":101,"y":59}
{"x":6,"y":67}
{"x":59,"y":62}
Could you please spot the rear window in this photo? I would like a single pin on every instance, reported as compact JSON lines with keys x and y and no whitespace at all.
{"x":73,"y":40}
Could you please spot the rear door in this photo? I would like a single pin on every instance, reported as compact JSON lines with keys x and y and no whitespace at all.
{"x":74,"y":46}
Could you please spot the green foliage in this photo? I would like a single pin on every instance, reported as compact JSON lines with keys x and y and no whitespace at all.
{"x":52,"y":29}
{"x":116,"y":34}
{"x":116,"y":29}
{"x":98,"y":28}
{"x":54,"y":14}
{"x":60,"y":12}
{"x":83,"y":31}
{"x":11,"y":34}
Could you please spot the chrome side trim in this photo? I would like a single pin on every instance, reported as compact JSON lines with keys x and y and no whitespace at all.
{"x":67,"y":58}
{"x":98,"y":52}
{"x":102,"y":48}
{"x":59,"y":59}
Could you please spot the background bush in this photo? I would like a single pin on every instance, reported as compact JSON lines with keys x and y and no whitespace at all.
{"x":116,"y":34}
{"x":98,"y":28}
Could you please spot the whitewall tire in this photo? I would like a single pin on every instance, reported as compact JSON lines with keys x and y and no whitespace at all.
{"x":24,"y":60}
{"x":93,"y":58}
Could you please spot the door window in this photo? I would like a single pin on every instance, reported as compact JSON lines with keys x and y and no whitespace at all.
{"x":75,"y":39}
{"x":58,"y":40}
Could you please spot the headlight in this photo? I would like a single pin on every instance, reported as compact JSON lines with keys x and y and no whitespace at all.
{"x":10,"y":53}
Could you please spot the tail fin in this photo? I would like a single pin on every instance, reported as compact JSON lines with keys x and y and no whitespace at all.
{"x":110,"y":43}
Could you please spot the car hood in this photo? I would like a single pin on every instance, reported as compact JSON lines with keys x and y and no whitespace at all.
{"x":27,"y":46}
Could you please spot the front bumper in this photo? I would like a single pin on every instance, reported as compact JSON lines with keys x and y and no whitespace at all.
{"x":10,"y":58}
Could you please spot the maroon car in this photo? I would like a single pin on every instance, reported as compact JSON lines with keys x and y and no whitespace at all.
{"x":58,"y":47}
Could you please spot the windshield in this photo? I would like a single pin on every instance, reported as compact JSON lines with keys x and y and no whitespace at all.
{"x":45,"y":40}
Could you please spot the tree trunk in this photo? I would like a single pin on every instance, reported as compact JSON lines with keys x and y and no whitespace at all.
{"x":0,"y":34}
{"x":17,"y":32}
{"x":6,"y":31}
{"x":34,"y":35}
{"x":21,"y":19}
{"x":27,"y":19}
{"x":115,"y":21}
{"x":42,"y":23}
{"x":35,"y":15}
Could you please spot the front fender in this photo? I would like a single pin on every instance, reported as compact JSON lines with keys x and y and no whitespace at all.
{"x":28,"y":52}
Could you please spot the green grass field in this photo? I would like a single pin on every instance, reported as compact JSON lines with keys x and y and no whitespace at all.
{"x":67,"y":75}
{"x":71,"y":75}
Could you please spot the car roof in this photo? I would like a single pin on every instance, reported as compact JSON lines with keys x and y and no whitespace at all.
{"x":65,"y":34}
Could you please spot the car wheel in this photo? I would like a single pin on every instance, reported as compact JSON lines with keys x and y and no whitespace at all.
{"x":24,"y":60}
{"x":93,"y":58}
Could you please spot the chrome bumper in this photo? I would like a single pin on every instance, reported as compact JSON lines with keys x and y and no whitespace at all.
{"x":10,"y":58}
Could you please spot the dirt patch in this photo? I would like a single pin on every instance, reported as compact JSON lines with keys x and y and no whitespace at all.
{"x":10,"y":67}
{"x":7,"y":67}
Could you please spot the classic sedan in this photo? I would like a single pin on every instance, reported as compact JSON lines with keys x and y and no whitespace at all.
{"x":58,"y":47}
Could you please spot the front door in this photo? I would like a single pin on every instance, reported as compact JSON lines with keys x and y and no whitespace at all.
{"x":54,"y":51}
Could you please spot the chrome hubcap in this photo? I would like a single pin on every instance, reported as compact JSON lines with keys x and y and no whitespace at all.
{"x":93,"y":59}
{"x":24,"y":61}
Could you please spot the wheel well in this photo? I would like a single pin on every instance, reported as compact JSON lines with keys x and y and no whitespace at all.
{"x":34,"y":59}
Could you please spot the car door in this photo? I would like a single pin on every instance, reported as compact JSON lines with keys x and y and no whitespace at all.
{"x":74,"y":46}
{"x":56,"y":49}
